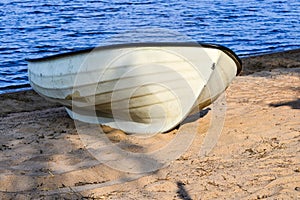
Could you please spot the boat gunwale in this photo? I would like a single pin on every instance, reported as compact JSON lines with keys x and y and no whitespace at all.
{"x":224,"y":49}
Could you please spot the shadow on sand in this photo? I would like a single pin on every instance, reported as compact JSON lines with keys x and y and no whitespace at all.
{"x":293,"y":104}
{"x":182,"y":193}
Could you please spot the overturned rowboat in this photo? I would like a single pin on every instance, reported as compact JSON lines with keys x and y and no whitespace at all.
{"x":138,"y":88}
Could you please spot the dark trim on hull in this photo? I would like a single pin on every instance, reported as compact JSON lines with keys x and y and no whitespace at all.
{"x":226,"y":50}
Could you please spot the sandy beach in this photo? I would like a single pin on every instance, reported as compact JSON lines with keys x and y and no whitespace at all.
{"x":256,"y":155}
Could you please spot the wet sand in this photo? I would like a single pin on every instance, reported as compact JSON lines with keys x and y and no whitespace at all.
{"x":256,"y":156}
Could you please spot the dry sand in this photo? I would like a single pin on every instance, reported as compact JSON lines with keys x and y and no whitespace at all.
{"x":257,"y":155}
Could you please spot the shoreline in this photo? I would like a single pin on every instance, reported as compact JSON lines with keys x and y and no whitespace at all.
{"x":251,"y":64}
{"x":257,"y":154}
{"x":270,"y":61}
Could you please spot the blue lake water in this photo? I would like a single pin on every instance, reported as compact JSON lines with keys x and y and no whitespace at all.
{"x":36,"y":28}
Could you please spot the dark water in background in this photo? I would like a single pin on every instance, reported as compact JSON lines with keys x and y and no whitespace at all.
{"x":35,"y":28}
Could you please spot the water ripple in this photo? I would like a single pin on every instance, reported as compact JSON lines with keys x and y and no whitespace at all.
{"x":39,"y":28}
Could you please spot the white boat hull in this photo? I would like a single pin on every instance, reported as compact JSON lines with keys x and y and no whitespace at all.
{"x":136,"y":88}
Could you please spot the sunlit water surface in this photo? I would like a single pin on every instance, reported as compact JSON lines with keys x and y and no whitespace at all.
{"x":32,"y":29}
